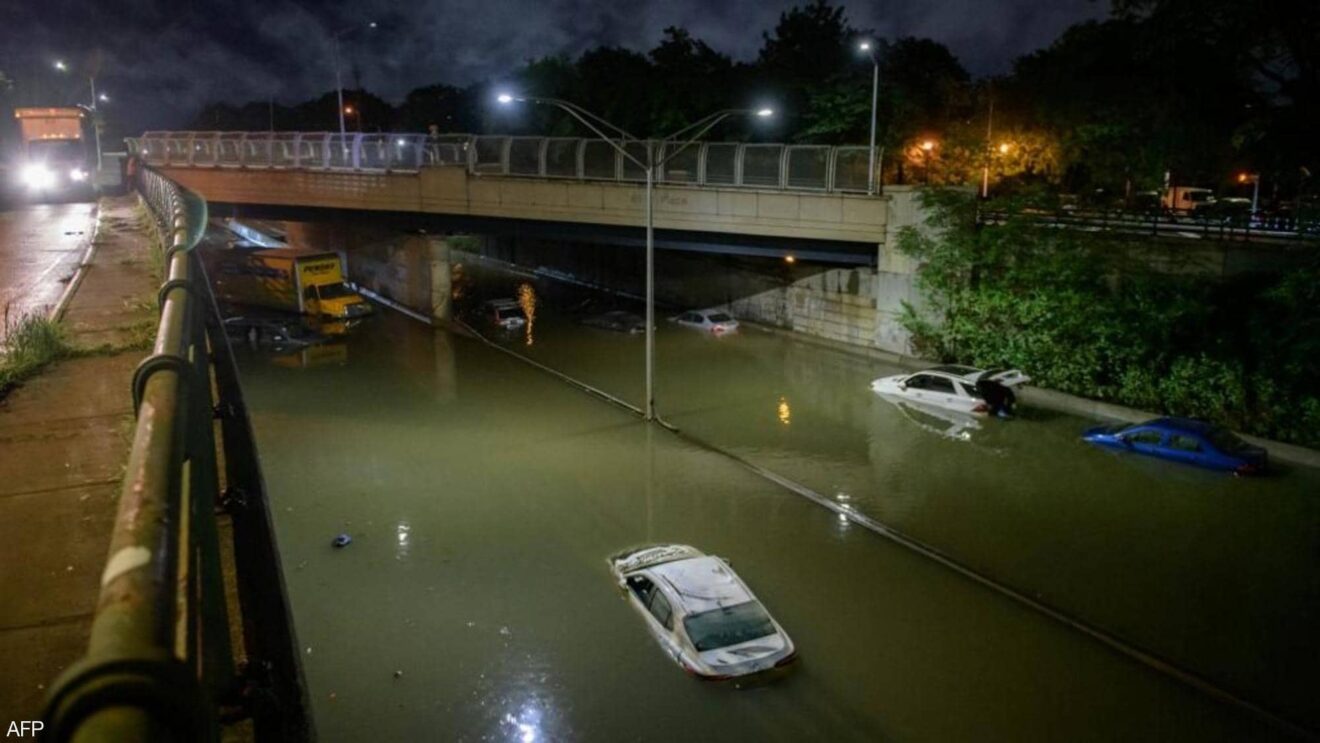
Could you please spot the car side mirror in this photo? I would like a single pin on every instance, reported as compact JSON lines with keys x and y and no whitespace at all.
{"x":902,"y":385}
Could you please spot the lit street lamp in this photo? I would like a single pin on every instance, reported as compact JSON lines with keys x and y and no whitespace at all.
{"x":1254,"y":180}
{"x":927,"y":147}
{"x":689,"y":133}
{"x":91,"y":107}
{"x":869,"y":48}
{"x":339,"y":79}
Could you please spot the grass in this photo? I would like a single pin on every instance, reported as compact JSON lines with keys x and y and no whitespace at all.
{"x":32,"y":342}
{"x":138,"y":336}
{"x":146,"y":223}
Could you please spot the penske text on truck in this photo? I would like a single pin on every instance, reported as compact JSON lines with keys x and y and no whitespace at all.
{"x":300,"y":280}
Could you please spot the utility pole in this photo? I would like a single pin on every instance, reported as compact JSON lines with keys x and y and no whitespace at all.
{"x":989,"y":149}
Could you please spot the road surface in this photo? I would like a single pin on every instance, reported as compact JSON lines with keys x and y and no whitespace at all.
{"x":40,"y":247}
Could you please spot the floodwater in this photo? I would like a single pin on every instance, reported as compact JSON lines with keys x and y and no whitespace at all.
{"x":483,"y":497}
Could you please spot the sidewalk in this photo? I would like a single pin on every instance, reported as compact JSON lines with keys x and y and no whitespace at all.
{"x":64,"y":438}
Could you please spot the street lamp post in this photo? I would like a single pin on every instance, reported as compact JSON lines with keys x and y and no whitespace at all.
{"x":869,"y":48}
{"x":92,"y":109}
{"x":691,"y":133}
{"x":339,"y":79}
{"x":926,"y":148}
{"x":989,"y":153}
{"x":1254,"y":180}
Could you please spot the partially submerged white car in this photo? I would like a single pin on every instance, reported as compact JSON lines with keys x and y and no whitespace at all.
{"x":504,"y":313}
{"x":712,"y":321}
{"x":959,"y":388}
{"x":701,"y":612}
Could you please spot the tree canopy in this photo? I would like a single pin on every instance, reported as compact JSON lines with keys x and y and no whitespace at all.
{"x":1162,"y":90}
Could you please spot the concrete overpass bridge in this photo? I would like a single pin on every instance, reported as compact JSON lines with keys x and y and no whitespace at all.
{"x":804,"y":203}
{"x":760,"y":199}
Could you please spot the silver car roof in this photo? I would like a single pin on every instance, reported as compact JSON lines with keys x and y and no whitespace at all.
{"x":703,"y":583}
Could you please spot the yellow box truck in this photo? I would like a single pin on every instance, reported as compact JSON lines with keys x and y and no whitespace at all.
{"x":309,"y":282}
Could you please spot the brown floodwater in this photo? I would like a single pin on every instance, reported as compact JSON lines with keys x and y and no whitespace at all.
{"x":483,"y":497}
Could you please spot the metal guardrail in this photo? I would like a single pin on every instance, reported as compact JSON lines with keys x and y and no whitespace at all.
{"x":721,"y":164}
{"x":159,"y":664}
{"x":1163,"y":224}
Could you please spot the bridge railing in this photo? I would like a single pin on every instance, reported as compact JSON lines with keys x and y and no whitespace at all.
{"x":722,"y":164}
{"x":1157,"y":223}
{"x":159,"y":663}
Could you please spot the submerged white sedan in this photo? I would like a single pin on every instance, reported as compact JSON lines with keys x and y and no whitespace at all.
{"x":701,"y":613}
{"x":712,"y":321}
{"x":965,"y":389}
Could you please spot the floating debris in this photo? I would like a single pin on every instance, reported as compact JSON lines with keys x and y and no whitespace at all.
{"x":343,"y":540}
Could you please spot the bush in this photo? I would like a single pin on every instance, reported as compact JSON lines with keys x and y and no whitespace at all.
{"x":31,"y":343}
{"x":1082,"y":316}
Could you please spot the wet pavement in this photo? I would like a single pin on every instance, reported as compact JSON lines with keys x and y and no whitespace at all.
{"x":64,"y":439}
{"x":40,"y":247}
{"x":483,"y":497}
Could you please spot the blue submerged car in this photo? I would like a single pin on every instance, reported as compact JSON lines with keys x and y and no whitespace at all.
{"x":1183,"y":440}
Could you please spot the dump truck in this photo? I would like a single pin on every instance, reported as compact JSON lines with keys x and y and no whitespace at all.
{"x":56,"y":159}
{"x":305,"y":281}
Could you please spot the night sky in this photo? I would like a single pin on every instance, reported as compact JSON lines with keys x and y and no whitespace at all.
{"x":161,"y":59}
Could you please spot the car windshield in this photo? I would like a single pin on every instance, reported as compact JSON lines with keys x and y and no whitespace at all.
{"x":719,"y":317}
{"x":335,"y":291}
{"x":730,"y":625}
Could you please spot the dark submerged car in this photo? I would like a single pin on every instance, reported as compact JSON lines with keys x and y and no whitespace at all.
{"x":619,"y":321}
{"x":1183,"y":440}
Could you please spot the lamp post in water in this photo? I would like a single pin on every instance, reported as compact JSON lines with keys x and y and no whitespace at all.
{"x":688,"y":134}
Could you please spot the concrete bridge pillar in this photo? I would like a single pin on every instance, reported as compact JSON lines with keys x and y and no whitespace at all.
{"x":441,"y":278}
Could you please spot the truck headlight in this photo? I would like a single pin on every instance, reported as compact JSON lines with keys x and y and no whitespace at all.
{"x":78,"y":174}
{"x":37,"y":176}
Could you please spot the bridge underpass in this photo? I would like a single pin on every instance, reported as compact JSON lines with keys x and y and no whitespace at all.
{"x":800,"y":204}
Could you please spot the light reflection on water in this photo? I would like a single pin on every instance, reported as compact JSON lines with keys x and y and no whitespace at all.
{"x":505,"y":623}
{"x":527,"y":301}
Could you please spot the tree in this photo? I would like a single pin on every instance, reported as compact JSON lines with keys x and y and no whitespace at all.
{"x":1129,"y":105}
{"x":809,"y":49}
{"x":439,"y":104}
{"x":690,"y":80}
{"x":924,"y":89}
{"x":1271,"y":47}
{"x":616,"y":84}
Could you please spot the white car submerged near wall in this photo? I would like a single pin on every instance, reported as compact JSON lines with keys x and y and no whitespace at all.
{"x":712,"y":321}
{"x":965,"y":389}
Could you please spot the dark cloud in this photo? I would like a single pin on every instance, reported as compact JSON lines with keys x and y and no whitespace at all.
{"x":161,"y":59}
